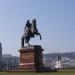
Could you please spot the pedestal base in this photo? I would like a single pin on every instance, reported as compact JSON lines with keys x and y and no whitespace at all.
{"x":31,"y":58}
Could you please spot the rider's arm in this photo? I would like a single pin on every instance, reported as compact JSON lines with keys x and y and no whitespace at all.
{"x":25,"y":27}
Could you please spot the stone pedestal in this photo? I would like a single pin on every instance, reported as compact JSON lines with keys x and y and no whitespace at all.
{"x":31,"y":58}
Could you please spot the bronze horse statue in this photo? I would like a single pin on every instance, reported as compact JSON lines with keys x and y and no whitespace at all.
{"x":30,"y":31}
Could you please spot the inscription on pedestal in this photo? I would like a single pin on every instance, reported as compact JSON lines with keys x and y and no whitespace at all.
{"x":27,"y":57}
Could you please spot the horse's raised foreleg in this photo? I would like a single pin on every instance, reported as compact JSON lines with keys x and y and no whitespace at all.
{"x":40,"y":36}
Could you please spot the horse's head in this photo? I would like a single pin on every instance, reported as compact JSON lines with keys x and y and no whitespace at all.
{"x":34,"y":22}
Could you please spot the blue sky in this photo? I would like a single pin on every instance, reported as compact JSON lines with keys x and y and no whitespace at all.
{"x":55,"y":22}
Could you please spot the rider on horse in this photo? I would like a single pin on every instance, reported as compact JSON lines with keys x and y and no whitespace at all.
{"x":27,"y":28}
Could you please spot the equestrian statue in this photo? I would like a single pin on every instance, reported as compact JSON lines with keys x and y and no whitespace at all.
{"x":30,"y":31}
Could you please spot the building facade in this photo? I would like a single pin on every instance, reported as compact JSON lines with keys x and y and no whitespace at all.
{"x":0,"y":57}
{"x":9,"y":62}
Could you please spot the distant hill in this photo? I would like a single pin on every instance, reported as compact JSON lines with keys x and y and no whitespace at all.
{"x":70,"y":55}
